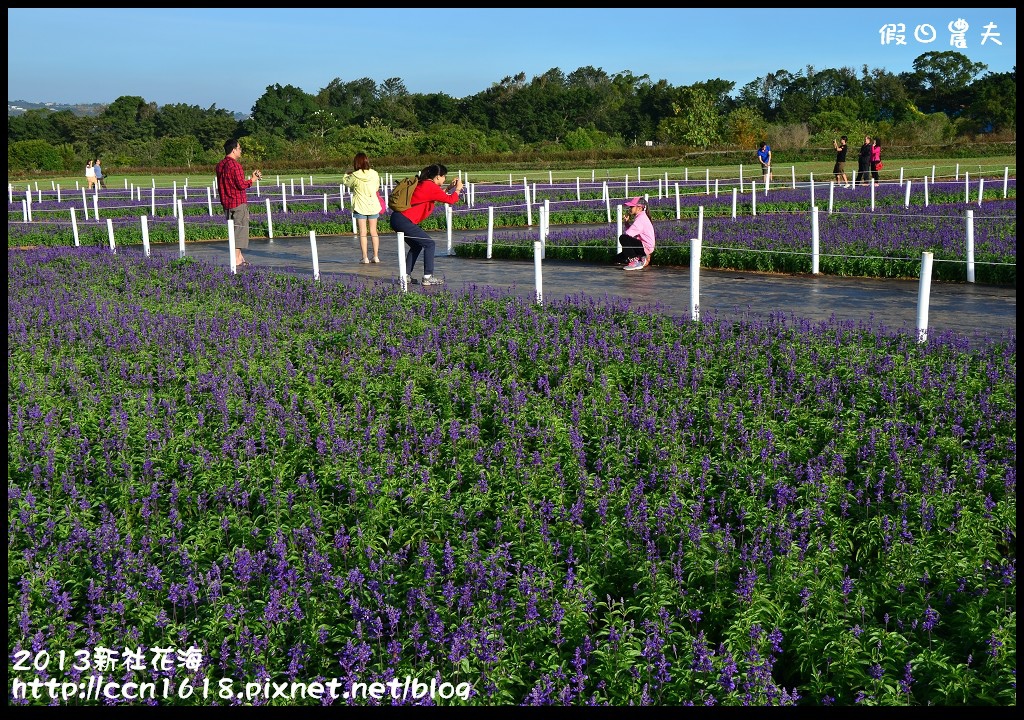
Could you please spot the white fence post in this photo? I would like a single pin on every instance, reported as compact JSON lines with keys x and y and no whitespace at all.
{"x":695,"y":278}
{"x":490,"y":230}
{"x":924,"y":290}
{"x":402,"y":277}
{"x":618,"y":228}
{"x":448,"y":220}
{"x":231,"y":246}
{"x":312,"y":249}
{"x":181,"y":229}
{"x":970,"y":246}
{"x":110,"y":235}
{"x":814,"y":240}
{"x":145,"y":234}
{"x":74,"y":228}
{"x":270,"y":222}
{"x":537,"y":275}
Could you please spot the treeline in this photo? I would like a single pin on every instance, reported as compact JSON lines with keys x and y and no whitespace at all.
{"x":947,"y":97}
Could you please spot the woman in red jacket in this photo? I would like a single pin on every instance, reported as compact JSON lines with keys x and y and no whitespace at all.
{"x":428,"y":192}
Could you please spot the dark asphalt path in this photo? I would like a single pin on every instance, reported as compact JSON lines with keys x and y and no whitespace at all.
{"x":891,"y":304}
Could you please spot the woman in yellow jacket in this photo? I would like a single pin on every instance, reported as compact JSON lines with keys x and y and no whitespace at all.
{"x":364,"y":182}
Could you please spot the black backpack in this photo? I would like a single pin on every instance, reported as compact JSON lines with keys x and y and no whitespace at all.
{"x":401,"y":196}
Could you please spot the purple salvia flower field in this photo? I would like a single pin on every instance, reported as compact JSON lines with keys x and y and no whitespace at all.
{"x":570,"y":504}
{"x":579,"y":503}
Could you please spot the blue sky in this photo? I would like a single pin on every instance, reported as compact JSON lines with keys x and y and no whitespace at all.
{"x":228,"y":57}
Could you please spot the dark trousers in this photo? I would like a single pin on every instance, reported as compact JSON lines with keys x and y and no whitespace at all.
{"x":863,"y":173}
{"x":417,"y":239}
{"x":631,"y":248}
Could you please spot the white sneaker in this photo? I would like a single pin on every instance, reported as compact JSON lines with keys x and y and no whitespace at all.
{"x":364,"y":261}
{"x":431,"y":280}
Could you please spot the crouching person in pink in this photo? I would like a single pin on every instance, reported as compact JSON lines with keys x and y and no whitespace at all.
{"x":638,"y":239}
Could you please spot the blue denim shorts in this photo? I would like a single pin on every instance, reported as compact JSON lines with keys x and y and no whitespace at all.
{"x":360,"y":216}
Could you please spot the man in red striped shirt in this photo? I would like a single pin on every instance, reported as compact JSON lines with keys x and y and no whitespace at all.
{"x":231,"y":185}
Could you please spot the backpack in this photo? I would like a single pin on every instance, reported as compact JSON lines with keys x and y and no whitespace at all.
{"x":401,"y":196}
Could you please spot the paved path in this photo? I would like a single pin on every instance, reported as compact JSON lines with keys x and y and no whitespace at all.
{"x":965,"y":308}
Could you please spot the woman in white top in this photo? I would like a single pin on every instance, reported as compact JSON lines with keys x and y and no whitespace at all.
{"x":90,"y":174}
{"x":364,"y":182}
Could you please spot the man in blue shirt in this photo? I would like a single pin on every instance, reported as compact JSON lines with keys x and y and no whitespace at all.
{"x":764,"y":156}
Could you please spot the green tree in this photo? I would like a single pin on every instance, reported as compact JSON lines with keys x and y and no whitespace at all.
{"x":940,"y":81}
{"x":695,"y":120}
{"x":129,"y":119}
{"x":352,"y":103}
{"x":71,"y":128}
{"x":745,"y":127}
{"x":590,"y":139}
{"x":27,"y":155}
{"x":437,"y":107}
{"x":284,"y":111}
{"x":177,"y":151}
{"x":992,"y":103}
{"x":448,"y":140}
{"x":394,"y":105}
{"x":211,"y":127}
{"x":886,"y":98}
{"x":31,"y":125}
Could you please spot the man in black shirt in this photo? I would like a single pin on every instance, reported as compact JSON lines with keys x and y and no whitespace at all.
{"x":840,"y":169}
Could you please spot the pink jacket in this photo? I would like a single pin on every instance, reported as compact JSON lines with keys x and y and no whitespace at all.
{"x":643,"y":229}
{"x":876,"y":153}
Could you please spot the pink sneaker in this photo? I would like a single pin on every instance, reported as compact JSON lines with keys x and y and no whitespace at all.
{"x":635,"y":264}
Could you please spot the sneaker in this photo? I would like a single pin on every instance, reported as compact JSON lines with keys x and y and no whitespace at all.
{"x":431,"y":280}
{"x":364,"y":261}
{"x":376,"y":259}
{"x":635,"y":264}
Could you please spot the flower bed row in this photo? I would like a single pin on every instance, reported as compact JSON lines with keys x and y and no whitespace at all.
{"x":568,"y":504}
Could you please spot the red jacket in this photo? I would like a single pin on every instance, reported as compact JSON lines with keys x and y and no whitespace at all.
{"x":427,"y":193}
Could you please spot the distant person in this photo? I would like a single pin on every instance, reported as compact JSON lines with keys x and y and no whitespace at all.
{"x":876,"y":159}
{"x":764,"y":156}
{"x":637,"y":240}
{"x":231,"y":186}
{"x":864,"y":160}
{"x":98,"y":171}
{"x":840,"y":167}
{"x":428,"y":192}
{"x":90,"y":174}
{"x":364,"y":182}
